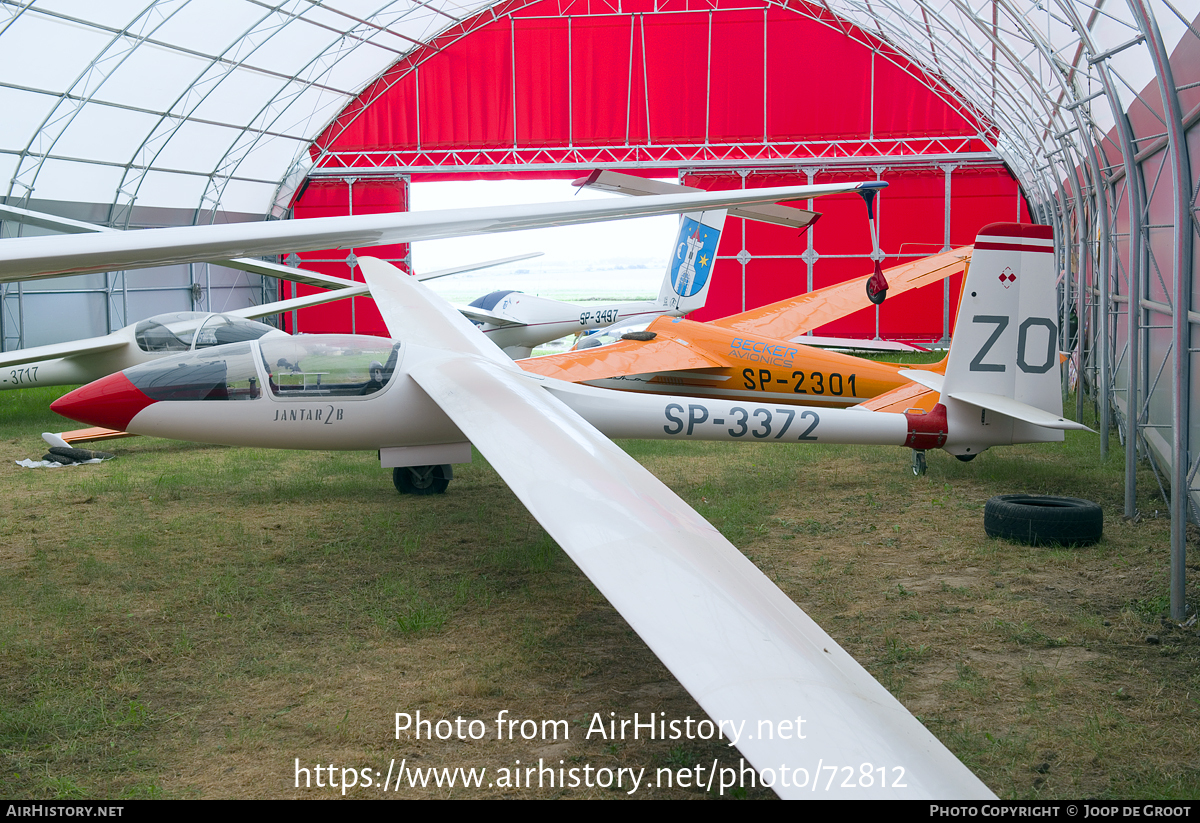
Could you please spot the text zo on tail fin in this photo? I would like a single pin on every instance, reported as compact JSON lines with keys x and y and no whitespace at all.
{"x":1002,"y":382}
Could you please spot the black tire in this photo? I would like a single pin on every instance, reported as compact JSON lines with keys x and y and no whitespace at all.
{"x":422,"y":479}
{"x":78,"y":455}
{"x":876,"y":297}
{"x":1041,"y":520}
{"x":919,"y":463}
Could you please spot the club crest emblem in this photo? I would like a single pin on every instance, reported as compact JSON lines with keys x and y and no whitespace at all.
{"x":693,"y":259}
{"x":1007,"y":278}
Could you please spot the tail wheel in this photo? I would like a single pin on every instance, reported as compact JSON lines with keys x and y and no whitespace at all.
{"x":422,"y":479}
{"x":1043,"y":520}
{"x":918,"y":464}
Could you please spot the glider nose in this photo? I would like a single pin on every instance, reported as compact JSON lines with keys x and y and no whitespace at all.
{"x":111,"y":402}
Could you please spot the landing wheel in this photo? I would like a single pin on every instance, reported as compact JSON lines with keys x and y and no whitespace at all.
{"x":966,"y":458}
{"x":422,"y":479}
{"x":875,"y":295}
{"x":919,"y":466}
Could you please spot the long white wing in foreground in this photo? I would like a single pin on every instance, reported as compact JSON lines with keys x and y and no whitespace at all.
{"x":783,"y":691}
{"x":752,"y":659}
{"x":26,"y":258}
{"x":414,"y":314}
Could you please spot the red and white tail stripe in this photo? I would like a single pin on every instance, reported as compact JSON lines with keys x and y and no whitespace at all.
{"x":1015,"y":237}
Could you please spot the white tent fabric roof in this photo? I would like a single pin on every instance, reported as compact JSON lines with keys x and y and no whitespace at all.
{"x":1025,"y":65}
{"x":213,"y":105}
{"x":186,"y":104}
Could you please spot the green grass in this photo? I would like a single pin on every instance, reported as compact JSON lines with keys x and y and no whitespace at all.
{"x":185,"y":613}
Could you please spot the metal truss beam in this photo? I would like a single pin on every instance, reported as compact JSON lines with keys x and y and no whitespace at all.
{"x":891,"y":152}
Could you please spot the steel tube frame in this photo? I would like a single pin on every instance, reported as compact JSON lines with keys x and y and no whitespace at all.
{"x":1180,"y":325}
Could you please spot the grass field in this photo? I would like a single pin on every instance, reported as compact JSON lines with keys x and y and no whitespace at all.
{"x":196,"y":621}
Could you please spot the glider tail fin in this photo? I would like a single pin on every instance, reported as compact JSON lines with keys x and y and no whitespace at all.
{"x":1002,"y":382}
{"x":689,"y":271}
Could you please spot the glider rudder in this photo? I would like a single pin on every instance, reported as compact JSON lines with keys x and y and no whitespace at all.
{"x":689,"y":270}
{"x":1002,"y":381}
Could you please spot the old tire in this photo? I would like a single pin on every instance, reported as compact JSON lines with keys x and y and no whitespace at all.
{"x":79,"y":455}
{"x":421,"y":479}
{"x":1042,"y":520}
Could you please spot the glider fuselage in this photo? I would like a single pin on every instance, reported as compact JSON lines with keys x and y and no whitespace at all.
{"x":704,"y":360}
{"x":318,"y":392}
{"x":517,"y":322}
{"x":537,"y":320}
{"x":64,"y":371}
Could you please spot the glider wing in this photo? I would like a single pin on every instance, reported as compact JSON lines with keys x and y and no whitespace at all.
{"x":26,"y":258}
{"x":797,"y":315}
{"x":92,"y":345}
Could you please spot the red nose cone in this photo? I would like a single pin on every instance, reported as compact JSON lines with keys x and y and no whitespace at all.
{"x":110,"y":402}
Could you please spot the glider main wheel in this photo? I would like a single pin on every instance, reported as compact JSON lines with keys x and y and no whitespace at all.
{"x":422,"y":479}
{"x":1041,"y":520}
{"x":919,"y":466}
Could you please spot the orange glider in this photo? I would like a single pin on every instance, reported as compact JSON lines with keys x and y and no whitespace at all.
{"x":752,"y":355}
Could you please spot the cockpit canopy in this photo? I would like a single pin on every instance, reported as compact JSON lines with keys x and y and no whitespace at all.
{"x":185,"y":330}
{"x":218,"y":373}
{"x":308,"y":367}
{"x":328,"y":365}
{"x":489,"y":301}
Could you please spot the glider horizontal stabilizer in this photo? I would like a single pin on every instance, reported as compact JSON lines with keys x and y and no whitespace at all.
{"x":631,"y":185}
{"x":928,"y":379}
{"x":478,"y":315}
{"x":1018,"y":410}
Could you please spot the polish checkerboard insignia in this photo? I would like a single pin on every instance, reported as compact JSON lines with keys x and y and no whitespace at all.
{"x":1007,"y":278}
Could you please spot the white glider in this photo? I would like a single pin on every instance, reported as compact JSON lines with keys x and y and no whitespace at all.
{"x":518,"y":322}
{"x":743,"y":650}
